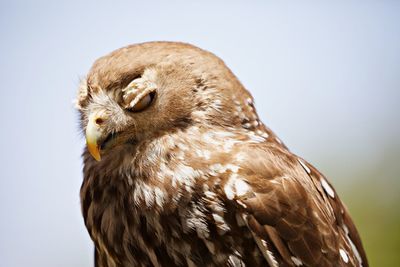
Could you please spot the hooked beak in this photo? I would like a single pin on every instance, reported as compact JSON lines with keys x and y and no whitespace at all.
{"x":94,"y":134}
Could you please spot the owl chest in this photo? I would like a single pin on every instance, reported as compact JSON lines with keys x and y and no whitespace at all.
{"x":146,"y":239}
{"x":194,"y":233}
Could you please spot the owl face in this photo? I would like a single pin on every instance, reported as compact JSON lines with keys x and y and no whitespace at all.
{"x":140,"y":92}
{"x":159,"y":100}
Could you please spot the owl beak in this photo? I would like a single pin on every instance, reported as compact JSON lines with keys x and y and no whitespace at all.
{"x":94,"y":133}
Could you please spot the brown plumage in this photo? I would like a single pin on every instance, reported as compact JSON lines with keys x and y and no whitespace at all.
{"x":180,"y":171}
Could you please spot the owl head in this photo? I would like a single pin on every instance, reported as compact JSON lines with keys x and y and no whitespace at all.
{"x":143,"y":91}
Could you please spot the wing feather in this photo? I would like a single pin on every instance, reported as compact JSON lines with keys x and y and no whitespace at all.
{"x":292,"y":217}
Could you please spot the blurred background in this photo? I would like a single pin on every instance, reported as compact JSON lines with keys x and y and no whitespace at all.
{"x":325,"y":76}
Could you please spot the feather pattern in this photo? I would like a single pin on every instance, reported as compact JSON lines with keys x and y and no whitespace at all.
{"x":195,"y":178}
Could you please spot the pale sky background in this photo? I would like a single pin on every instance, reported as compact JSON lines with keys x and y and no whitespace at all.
{"x":325,"y":77}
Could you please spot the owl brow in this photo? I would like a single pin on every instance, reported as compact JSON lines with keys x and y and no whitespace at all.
{"x":124,"y":80}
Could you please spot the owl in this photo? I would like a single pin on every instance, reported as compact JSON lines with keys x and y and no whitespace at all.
{"x":180,"y":171}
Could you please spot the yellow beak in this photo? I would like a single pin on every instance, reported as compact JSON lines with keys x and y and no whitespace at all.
{"x":93,"y":135}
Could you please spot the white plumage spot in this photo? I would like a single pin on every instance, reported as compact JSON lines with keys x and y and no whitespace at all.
{"x":228,"y":144}
{"x":232,"y":167}
{"x":328,"y":189}
{"x":228,"y":189}
{"x":296,"y":261}
{"x":210,"y":195}
{"x":304,"y":166}
{"x":197,"y":221}
{"x":220,"y":222}
{"x":272,"y":258}
{"x":241,"y":187}
{"x":209,"y":138}
{"x":353,"y":247}
{"x":203,"y":153}
{"x":159,"y":196}
{"x":344,"y":256}
{"x":218,"y":218}
{"x":247,"y":125}
{"x":235,"y":260}
{"x":262,"y":245}
{"x":148,"y":195}
{"x":256,"y":138}
{"x":185,"y":175}
{"x":206,"y":154}
{"x":224,"y":134}
{"x":183,"y":147}
{"x":217,"y":168}
{"x":241,"y":204}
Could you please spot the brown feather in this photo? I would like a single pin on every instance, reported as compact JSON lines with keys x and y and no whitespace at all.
{"x":193,"y":177}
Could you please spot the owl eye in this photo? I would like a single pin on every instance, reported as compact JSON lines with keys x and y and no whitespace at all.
{"x":143,"y":103}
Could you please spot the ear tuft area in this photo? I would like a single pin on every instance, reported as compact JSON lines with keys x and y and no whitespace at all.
{"x":82,"y":96}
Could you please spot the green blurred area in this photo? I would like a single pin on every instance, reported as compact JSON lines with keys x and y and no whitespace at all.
{"x":373,"y":200}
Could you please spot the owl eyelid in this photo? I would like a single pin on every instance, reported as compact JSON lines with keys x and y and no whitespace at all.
{"x":143,"y":103}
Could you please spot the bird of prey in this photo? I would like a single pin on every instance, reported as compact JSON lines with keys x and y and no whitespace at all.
{"x":180,"y":171}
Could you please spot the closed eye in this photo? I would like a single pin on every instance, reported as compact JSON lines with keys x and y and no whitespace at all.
{"x":143,"y":103}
